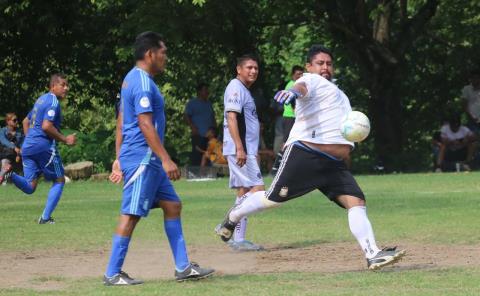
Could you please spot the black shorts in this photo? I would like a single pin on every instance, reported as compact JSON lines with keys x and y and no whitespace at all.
{"x":304,"y":169}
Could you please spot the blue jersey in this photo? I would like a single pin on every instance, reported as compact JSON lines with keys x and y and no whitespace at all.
{"x":47,"y":107}
{"x":140,"y":95}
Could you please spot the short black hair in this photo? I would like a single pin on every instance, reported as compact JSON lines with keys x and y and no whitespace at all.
{"x":146,"y":41}
{"x":454,"y":119}
{"x":201,"y":85}
{"x":316,"y":49}
{"x":242,"y":59}
{"x":297,"y":68}
{"x":55,"y":77}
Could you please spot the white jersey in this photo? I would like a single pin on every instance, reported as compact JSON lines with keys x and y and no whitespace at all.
{"x":238,"y":99}
{"x":318,"y":115}
{"x":472,"y":97}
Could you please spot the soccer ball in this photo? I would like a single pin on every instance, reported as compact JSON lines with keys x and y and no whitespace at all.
{"x":355,"y":126}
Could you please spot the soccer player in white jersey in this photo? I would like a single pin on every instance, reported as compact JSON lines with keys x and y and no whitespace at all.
{"x":240,"y":142}
{"x":313,"y":159}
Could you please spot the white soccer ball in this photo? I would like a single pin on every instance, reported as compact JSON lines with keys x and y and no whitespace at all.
{"x":355,"y":126}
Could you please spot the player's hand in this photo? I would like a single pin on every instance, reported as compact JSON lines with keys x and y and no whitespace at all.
{"x":241,"y":158}
{"x":171,"y":169}
{"x":116,"y":176}
{"x":286,"y":96}
{"x":70,"y":140}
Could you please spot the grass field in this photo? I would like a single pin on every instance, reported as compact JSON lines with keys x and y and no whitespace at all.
{"x":438,"y":211}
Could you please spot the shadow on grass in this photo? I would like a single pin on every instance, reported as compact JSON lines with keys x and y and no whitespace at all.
{"x":298,"y":245}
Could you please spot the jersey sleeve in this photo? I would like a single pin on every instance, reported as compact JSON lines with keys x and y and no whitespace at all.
{"x":444,"y":132}
{"x":234,"y":100}
{"x":143,"y":102}
{"x":311,"y":82}
{"x":52,"y":112}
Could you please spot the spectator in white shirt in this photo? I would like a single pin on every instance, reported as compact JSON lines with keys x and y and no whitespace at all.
{"x":458,"y":145}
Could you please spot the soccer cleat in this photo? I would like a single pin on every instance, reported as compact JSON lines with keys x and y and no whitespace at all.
{"x":244,"y":246}
{"x":47,"y":221}
{"x":120,"y":279}
{"x":193,"y":272}
{"x":226,"y":228}
{"x":386,"y":256}
{"x":5,"y":171}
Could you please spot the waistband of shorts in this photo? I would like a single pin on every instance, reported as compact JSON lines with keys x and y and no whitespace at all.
{"x":307,"y":148}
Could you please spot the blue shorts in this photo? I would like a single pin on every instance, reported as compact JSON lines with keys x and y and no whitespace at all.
{"x":144,"y":188}
{"x":47,"y":163}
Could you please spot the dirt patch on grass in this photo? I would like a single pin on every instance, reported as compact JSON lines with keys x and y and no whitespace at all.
{"x":53,"y":269}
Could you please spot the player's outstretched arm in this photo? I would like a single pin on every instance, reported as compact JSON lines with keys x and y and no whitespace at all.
{"x":287,"y":96}
{"x":153,"y":141}
{"x":52,"y":132}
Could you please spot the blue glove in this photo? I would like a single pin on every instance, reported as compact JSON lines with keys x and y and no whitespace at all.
{"x":286,"y":96}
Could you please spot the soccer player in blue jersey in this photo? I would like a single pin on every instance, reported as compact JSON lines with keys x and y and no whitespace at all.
{"x":145,"y":164}
{"x":39,"y":150}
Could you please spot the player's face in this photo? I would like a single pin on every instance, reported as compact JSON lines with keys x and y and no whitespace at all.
{"x":12,"y":122}
{"x":321,"y":64}
{"x":159,"y":58}
{"x":248,"y":72}
{"x":60,"y":88}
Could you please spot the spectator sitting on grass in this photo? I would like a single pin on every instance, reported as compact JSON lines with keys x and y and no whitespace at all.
{"x":11,"y":139}
{"x":213,"y":155}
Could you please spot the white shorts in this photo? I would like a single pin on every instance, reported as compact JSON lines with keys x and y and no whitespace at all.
{"x":247,"y":176}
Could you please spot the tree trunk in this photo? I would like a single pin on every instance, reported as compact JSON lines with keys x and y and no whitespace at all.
{"x":386,"y":113}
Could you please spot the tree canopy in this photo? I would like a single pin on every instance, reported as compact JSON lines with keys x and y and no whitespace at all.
{"x":401,"y":62}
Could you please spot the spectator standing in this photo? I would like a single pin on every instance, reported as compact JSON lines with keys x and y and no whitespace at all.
{"x":289,"y":109}
{"x":288,"y":118}
{"x":471,"y":98}
{"x":199,"y":115}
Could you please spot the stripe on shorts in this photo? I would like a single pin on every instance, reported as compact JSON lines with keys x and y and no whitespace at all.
{"x":286,"y":154}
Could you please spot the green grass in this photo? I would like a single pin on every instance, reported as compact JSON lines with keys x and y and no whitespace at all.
{"x":418,"y":208}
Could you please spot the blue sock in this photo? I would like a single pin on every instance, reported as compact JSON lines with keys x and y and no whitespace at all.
{"x":173,"y":229}
{"x":22,"y":184}
{"x":119,"y":252}
{"x":54,"y":196}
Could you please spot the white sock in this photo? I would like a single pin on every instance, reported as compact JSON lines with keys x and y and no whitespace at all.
{"x":362,"y":230}
{"x":241,"y":228}
{"x":255,"y":203}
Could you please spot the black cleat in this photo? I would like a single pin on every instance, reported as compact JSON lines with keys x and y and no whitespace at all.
{"x":48,"y":221}
{"x":387,"y":256}
{"x":120,"y":279}
{"x":193,"y":272}
{"x":226,"y":228}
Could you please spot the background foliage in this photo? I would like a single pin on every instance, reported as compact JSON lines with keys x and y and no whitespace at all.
{"x":402,"y":62}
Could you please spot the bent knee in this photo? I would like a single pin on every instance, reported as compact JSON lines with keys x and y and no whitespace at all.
{"x":59,"y":180}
